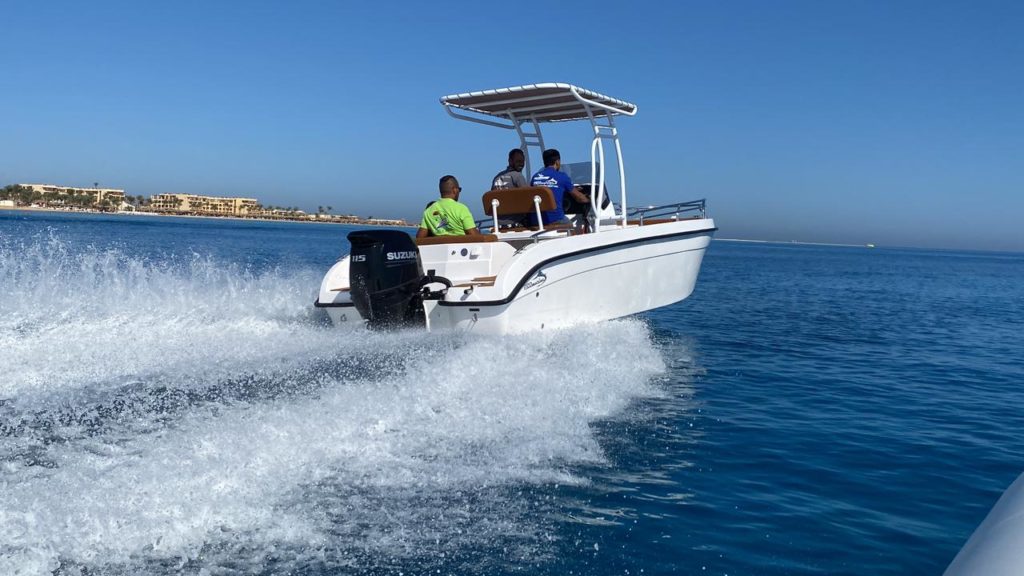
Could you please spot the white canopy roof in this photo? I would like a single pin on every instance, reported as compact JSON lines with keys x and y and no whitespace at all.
{"x":550,"y":102}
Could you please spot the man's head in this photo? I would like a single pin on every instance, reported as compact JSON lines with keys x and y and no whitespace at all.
{"x":552,"y":159}
{"x":449,"y":187}
{"x":516,"y":159}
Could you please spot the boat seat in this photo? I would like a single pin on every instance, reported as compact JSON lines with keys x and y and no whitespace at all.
{"x":431,"y":240}
{"x":518,"y":201}
{"x":517,"y":204}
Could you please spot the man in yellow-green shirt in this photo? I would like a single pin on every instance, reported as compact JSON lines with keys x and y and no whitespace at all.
{"x":447,"y":216}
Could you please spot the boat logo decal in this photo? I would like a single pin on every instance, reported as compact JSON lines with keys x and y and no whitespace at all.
{"x":538,"y":279}
{"x":404,"y":255}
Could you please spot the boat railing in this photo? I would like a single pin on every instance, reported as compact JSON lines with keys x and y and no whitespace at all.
{"x":677,"y":211}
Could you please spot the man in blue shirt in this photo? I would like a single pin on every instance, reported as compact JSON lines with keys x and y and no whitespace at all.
{"x":560,"y":184}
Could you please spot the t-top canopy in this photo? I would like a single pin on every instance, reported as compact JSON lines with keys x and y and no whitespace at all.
{"x":551,"y":102}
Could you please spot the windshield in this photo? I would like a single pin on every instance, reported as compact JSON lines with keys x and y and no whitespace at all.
{"x":579,"y":172}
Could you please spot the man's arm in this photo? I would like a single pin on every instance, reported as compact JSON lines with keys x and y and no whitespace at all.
{"x":473,"y":232}
{"x":579,"y":196}
{"x":518,"y":180}
{"x":422,"y":233}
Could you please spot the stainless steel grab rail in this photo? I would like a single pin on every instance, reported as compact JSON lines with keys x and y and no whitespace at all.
{"x":693,"y":208}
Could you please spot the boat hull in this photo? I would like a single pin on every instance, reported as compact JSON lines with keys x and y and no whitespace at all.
{"x":551,"y":282}
{"x":600,"y":284}
{"x":334,"y":297}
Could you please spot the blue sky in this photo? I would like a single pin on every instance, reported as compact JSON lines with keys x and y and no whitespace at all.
{"x":896,"y":123}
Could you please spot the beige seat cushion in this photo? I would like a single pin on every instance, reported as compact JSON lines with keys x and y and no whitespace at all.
{"x":519,"y":200}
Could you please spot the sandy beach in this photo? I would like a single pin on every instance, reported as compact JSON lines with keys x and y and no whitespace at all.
{"x":306,"y":220}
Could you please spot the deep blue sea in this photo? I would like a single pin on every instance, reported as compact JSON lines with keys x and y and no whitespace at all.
{"x":172,"y":403}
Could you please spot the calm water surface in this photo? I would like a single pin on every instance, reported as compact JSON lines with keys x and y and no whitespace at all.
{"x":171,"y":403}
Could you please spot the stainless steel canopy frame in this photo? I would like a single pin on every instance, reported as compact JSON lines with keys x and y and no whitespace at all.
{"x":531,"y":105}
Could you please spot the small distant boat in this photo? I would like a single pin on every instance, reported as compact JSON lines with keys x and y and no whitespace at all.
{"x":870,"y":245}
{"x":611,"y":262}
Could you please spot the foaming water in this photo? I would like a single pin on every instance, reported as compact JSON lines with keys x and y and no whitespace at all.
{"x":190,"y":414}
{"x":98,"y":316}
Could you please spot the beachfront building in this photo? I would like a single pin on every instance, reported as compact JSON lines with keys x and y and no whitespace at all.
{"x":204,"y":205}
{"x":385,"y":222}
{"x":341,"y":218}
{"x":66,"y":195}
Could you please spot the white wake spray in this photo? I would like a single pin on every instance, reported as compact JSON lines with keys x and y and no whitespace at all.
{"x":170,"y":414}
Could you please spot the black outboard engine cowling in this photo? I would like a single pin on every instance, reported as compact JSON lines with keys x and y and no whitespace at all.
{"x":385,"y":276}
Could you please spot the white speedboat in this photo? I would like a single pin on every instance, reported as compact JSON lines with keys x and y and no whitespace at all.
{"x":610,"y":263}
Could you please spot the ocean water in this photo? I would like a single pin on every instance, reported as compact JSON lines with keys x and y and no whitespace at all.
{"x":171,"y":403}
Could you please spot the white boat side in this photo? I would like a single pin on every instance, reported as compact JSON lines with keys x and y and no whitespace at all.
{"x":535,"y":282}
{"x":579,"y":279}
{"x":335,"y":296}
{"x":996,"y":548}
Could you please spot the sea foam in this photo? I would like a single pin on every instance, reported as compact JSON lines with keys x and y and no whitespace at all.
{"x":189,"y":413}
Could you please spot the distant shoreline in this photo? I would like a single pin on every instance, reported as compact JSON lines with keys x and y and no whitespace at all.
{"x":795,"y":242}
{"x":207,"y":216}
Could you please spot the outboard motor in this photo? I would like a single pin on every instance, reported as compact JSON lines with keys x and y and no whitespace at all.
{"x":385,"y":275}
